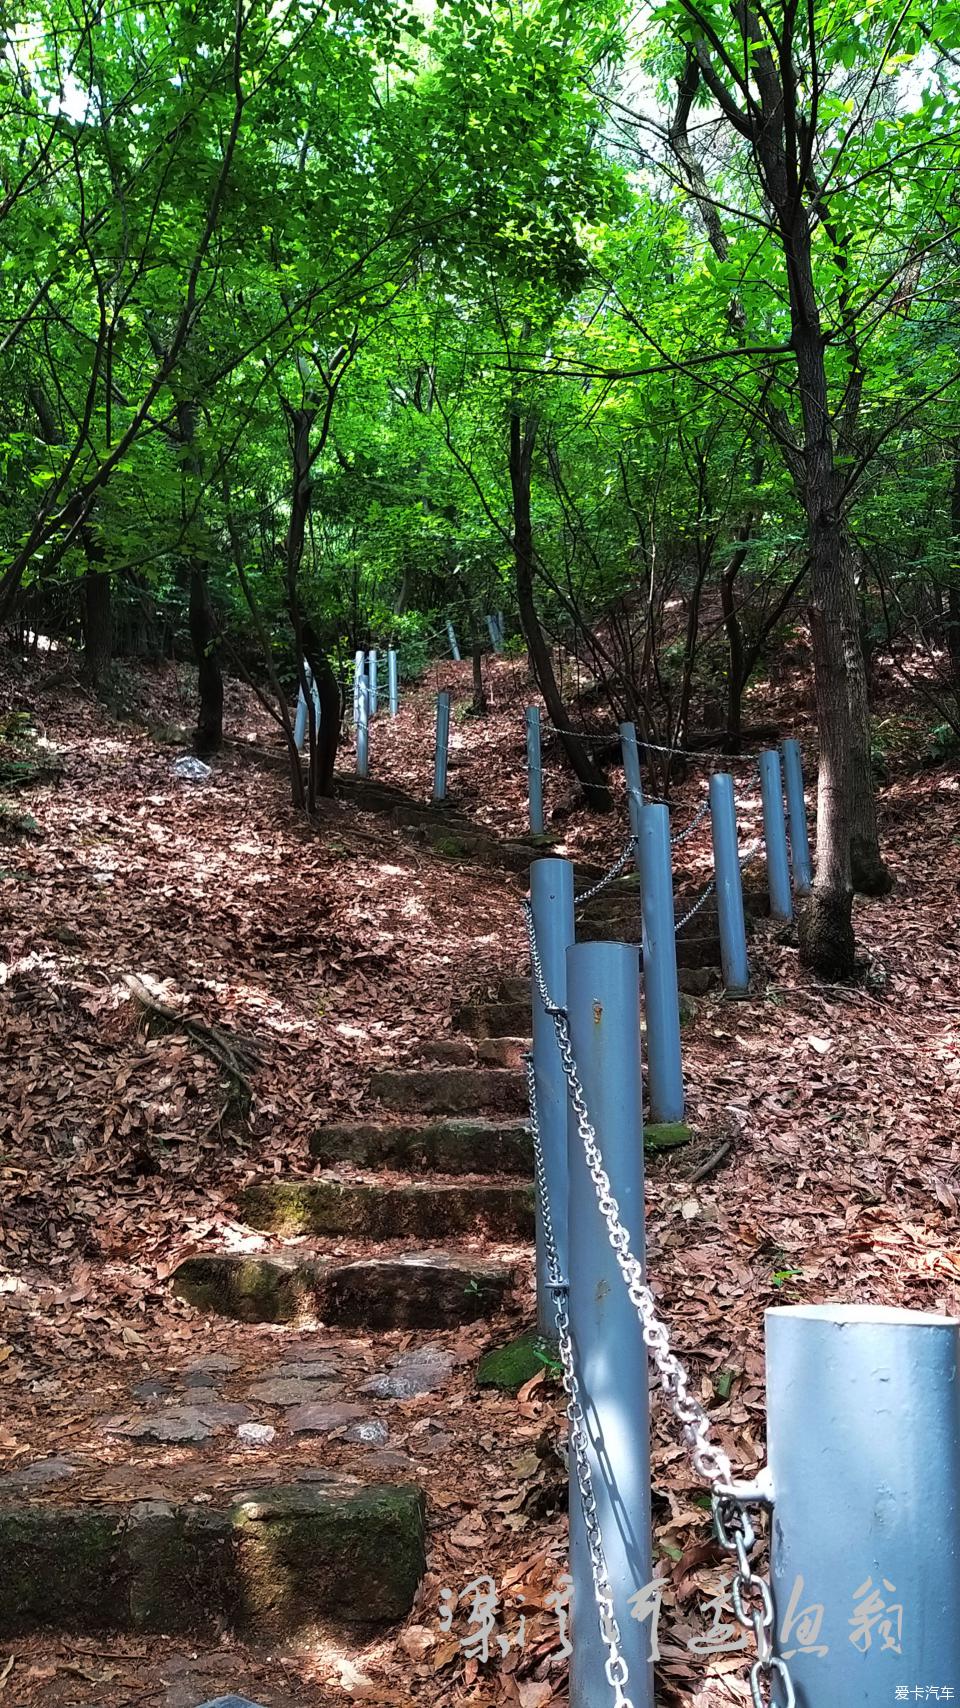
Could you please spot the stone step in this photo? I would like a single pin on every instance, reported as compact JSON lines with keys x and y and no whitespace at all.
{"x":449,"y":1091}
{"x":465,"y":1052}
{"x":449,"y":1147}
{"x":493,"y":1019}
{"x":268,"y":1563}
{"x":427,"y":1289}
{"x":420,"y":1210}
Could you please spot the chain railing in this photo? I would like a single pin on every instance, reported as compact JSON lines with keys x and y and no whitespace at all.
{"x":609,"y":876}
{"x":751,"y":1593}
{"x":698,"y":817}
{"x":616,"y":1669}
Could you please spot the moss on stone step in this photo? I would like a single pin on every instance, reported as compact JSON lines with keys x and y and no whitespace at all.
{"x":311,"y":1551}
{"x":509,"y":1367}
{"x":419,"y":1210}
{"x":418,"y":1289}
{"x":666,"y":1135}
{"x":451,"y":1147}
{"x":249,"y":1289}
{"x":273,"y":1562}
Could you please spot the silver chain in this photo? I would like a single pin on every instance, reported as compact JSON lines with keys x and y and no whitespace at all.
{"x":734,"y":1528}
{"x":616,"y":1667}
{"x":700,"y":902}
{"x":608,"y":877}
{"x":681,"y":835}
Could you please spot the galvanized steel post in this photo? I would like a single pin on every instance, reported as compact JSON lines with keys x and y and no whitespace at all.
{"x":501,"y":629}
{"x":300,"y":723}
{"x":863,"y":1408}
{"x":726,"y":865}
{"x":440,"y":753}
{"x":631,"y":772}
{"x":775,"y":835}
{"x":358,"y":668}
{"x":551,"y":900}
{"x":797,"y":813}
{"x":534,"y":770}
{"x":451,"y":637}
{"x":494,"y":632}
{"x":661,"y":1001}
{"x":371,"y":682}
{"x":610,"y":1357}
{"x":393,"y":683}
{"x":363,"y":733}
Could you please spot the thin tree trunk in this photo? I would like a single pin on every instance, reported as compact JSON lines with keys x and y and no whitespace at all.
{"x":869,"y":875}
{"x":96,"y":616}
{"x":522,"y":439}
{"x":952,"y":619}
{"x":208,"y":736}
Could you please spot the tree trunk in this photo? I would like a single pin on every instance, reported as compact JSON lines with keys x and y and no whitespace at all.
{"x":97,"y":619}
{"x":595,"y":787}
{"x":208,"y":737}
{"x":952,"y":620}
{"x":479,"y":691}
{"x":735,"y":672}
{"x":826,"y":921}
{"x":868,"y":873}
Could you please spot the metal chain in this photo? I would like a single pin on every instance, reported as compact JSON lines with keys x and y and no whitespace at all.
{"x":681,"y":835}
{"x":616,"y":1667}
{"x":608,"y":877}
{"x":709,"y":1460}
{"x":700,"y":902}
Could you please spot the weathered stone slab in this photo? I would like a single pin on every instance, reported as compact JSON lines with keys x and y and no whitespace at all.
{"x":419,"y":1210}
{"x":421,"y":1371}
{"x":274,"y":1562}
{"x":508,"y":1367}
{"x":180,"y":1423}
{"x":322,"y":1418}
{"x":250,"y":1289}
{"x":287,"y":1391}
{"x":334,"y":1550}
{"x":450,"y":1147}
{"x":417,"y":1290}
{"x":37,"y":1475}
{"x":494,"y":1019}
{"x":449,"y":1091}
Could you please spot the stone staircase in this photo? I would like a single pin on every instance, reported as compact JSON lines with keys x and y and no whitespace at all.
{"x":418,"y":1194}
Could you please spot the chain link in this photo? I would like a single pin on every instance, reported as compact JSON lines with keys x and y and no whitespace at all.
{"x":700,"y":814}
{"x":734,"y":1528}
{"x":615,"y":1668}
{"x":608,"y":877}
{"x":700,"y":902}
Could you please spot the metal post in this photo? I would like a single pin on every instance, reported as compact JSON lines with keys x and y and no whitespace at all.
{"x":494,"y":634}
{"x":363,"y":733}
{"x":863,"y":1407}
{"x":501,"y":629}
{"x":631,"y":772}
{"x":300,"y":723}
{"x":797,"y":811}
{"x":393,"y":683}
{"x":603,"y":1003}
{"x":451,"y":637}
{"x":371,"y":683}
{"x":664,"y":1071}
{"x":726,"y":865}
{"x":534,"y":770}
{"x":443,"y":738}
{"x":775,"y":835}
{"x":358,"y":665}
{"x":551,"y":898}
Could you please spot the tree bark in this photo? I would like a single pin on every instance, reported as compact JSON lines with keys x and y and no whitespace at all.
{"x":208,"y":736}
{"x":522,"y":437}
{"x":952,"y":620}
{"x":869,"y":875}
{"x":96,"y":616}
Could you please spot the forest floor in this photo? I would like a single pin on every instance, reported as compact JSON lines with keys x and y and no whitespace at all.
{"x":332,"y":948}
